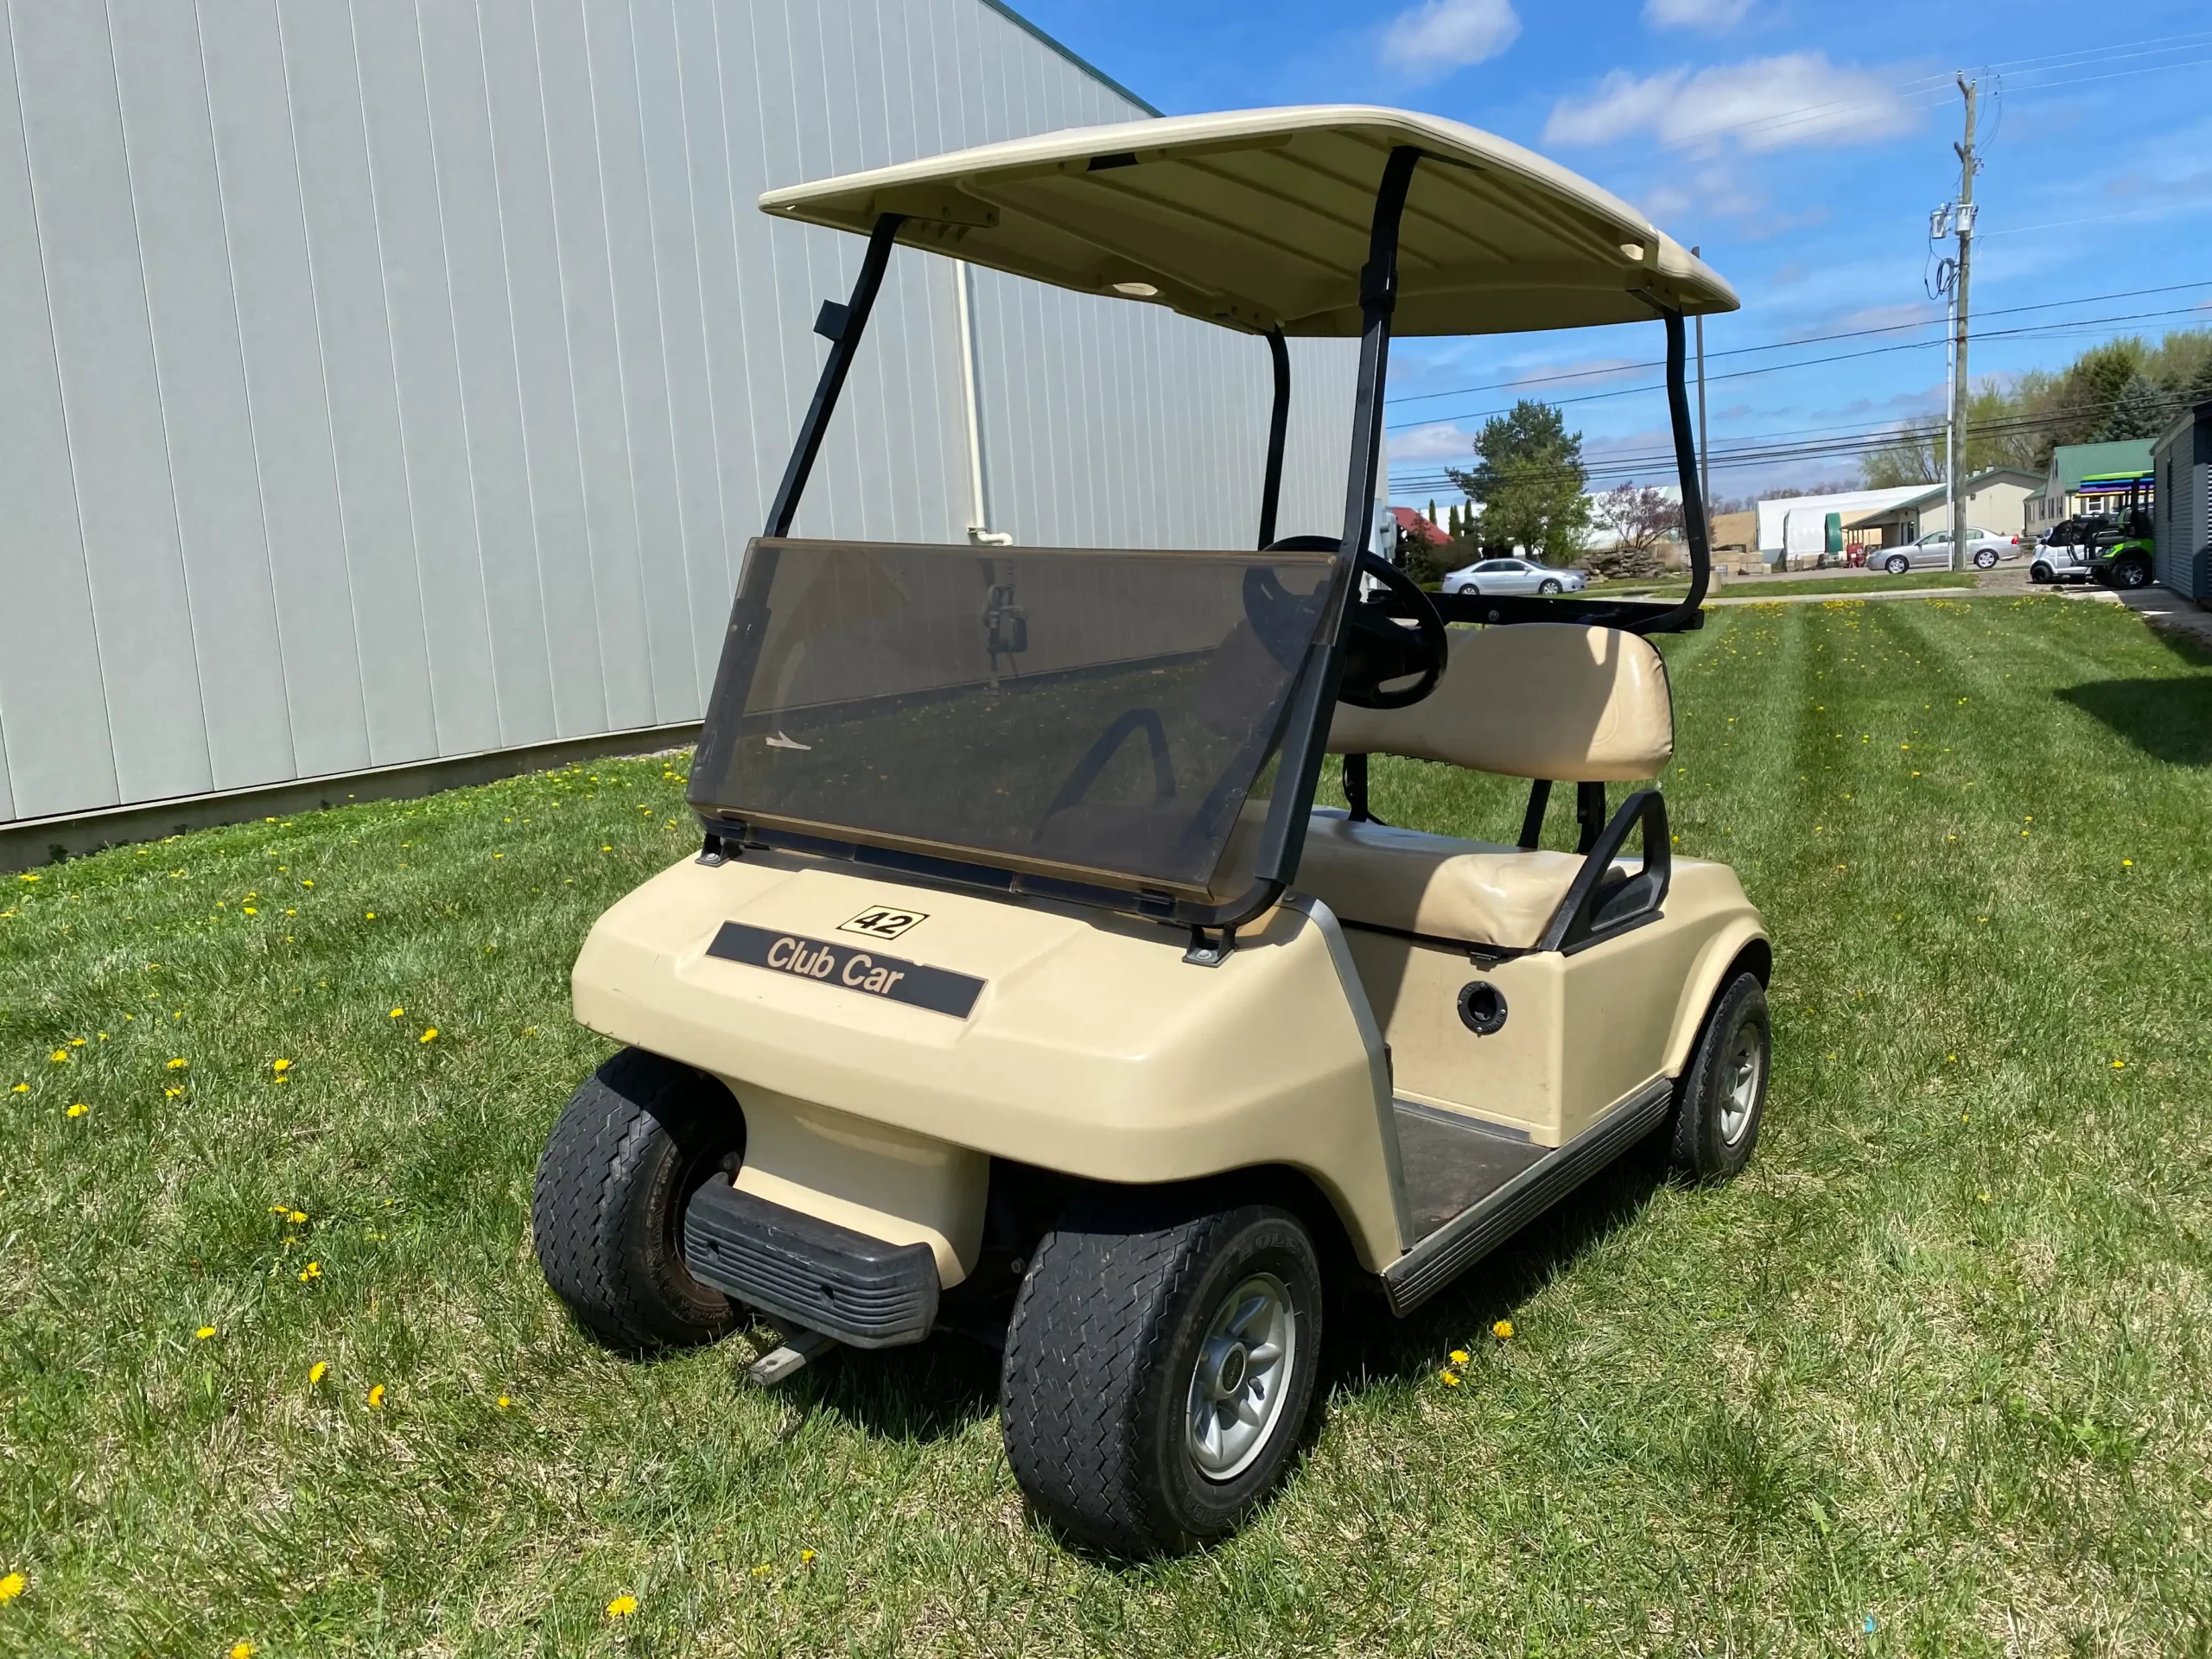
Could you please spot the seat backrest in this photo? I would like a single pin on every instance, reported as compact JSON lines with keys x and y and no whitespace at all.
{"x":1557,"y":700}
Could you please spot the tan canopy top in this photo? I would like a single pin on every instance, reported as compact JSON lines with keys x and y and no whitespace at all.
{"x":1257,"y":219}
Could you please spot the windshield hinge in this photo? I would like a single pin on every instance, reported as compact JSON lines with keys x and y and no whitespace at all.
{"x":716,"y":851}
{"x":1210,"y":950}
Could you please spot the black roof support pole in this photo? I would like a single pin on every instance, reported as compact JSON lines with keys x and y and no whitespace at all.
{"x":1378,"y":297}
{"x":1306,"y":722}
{"x":1695,"y":531}
{"x":843,"y":327}
{"x":1278,"y":432}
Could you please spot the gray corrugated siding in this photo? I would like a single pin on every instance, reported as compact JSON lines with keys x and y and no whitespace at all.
{"x":392,"y":381}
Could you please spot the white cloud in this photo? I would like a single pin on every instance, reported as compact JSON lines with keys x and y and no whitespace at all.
{"x":1429,"y":40}
{"x":1713,"y":16}
{"x":1443,"y":442}
{"x":1770,"y":104}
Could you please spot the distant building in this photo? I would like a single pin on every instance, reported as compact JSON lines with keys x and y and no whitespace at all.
{"x":2181,"y":513}
{"x":1996,"y":502}
{"x":2103,"y":467}
{"x":1774,"y":510}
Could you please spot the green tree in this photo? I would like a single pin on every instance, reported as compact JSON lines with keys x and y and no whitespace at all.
{"x":2141,"y":410}
{"x":1528,"y":479}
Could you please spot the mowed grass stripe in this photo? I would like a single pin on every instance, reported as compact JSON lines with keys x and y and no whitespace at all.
{"x":1937,"y":1361}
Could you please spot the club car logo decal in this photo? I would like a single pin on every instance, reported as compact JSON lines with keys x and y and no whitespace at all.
{"x":849,"y":968}
{"x":883,"y":921}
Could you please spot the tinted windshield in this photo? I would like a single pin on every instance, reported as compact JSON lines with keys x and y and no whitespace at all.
{"x":1095,"y":713}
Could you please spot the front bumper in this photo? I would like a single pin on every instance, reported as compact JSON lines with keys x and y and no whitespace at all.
{"x":810,"y":1273}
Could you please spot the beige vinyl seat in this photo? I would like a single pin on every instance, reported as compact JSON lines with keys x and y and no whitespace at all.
{"x":1544,"y":701}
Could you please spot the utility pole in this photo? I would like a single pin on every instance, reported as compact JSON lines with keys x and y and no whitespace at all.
{"x":1971,"y":91}
{"x":1704,"y":470}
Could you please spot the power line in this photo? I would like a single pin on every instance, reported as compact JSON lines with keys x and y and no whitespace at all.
{"x":1783,"y":344}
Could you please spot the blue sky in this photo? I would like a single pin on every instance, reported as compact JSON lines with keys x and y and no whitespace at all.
{"x":1800,"y":144}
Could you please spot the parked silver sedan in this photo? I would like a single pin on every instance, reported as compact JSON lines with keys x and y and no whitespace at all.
{"x":1933,"y":552}
{"x":1500,"y":577}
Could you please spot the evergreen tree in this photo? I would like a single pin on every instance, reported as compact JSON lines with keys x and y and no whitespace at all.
{"x":2140,"y":411}
{"x":1528,"y":479}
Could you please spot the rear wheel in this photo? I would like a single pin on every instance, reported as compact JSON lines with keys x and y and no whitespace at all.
{"x":1720,"y":1098}
{"x":1985,"y":558}
{"x":2038,"y":572}
{"x":1897,"y":565}
{"x":640,"y":1137}
{"x":2133,"y":571}
{"x":1159,"y":1368}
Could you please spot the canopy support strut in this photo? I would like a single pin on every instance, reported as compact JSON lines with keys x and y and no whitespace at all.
{"x":1278,"y":431}
{"x":1694,"y":529}
{"x":842,"y":326}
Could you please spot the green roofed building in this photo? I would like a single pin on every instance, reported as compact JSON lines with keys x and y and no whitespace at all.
{"x":2101,"y":466}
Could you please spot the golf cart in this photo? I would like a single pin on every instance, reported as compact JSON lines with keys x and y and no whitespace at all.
{"x":1021,"y":989}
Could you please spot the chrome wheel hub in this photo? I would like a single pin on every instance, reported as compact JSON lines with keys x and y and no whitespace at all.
{"x":1242,"y":1377}
{"x":1740,"y":1077}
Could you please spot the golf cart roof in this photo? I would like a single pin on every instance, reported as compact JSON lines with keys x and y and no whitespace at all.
{"x":1259,"y":219}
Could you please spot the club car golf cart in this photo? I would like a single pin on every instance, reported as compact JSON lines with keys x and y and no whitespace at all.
{"x":1020,"y":988}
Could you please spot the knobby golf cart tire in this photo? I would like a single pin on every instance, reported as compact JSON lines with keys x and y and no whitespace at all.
{"x":1720,"y":1098}
{"x":2038,"y":572}
{"x":638,"y":1139}
{"x":1099,"y":1390}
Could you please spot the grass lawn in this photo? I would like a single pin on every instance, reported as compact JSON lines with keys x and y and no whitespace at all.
{"x":1764,"y":587}
{"x":1935,"y":1377}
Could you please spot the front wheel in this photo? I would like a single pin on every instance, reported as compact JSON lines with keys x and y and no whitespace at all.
{"x":1897,"y":564}
{"x":1547,"y":586}
{"x":640,"y":1135}
{"x":1720,"y":1098}
{"x":1985,"y":559}
{"x":1159,"y":1369}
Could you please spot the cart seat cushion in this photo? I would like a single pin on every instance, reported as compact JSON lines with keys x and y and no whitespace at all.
{"x":1556,"y":699}
{"x":1412,"y":882}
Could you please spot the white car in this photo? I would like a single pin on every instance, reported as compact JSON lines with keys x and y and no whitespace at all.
{"x":1933,"y":552}
{"x":1499,"y":577}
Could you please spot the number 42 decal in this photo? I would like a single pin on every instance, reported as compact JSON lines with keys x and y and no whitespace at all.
{"x":882,"y":922}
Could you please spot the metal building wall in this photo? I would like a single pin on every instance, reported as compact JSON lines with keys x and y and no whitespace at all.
{"x":402,"y":379}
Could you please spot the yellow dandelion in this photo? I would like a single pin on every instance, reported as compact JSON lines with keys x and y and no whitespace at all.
{"x":76,"y":1042}
{"x":250,"y":911}
{"x":60,"y":1057}
{"x":21,"y":1089}
{"x":398,"y":1013}
{"x":1501,"y":1330}
{"x":280,"y":1066}
{"x":307,"y":884}
{"x":621,"y":1606}
{"x":805,"y":1556}
{"x":2126,"y":863}
{"x":15,"y":1584}
{"x":317,"y":1372}
{"x":1459,"y":1356}
{"x":376,"y":1397}
{"x":428,"y":1036}
{"x":297,"y":1217}
{"x":242,"y":1650}
{"x":763,"y":1570}
{"x":313,"y":1270}
{"x":79,"y":1110}
{"x":2119,"y":1065}
{"x":203,"y":1333}
{"x":1449,"y":1379}
{"x":369,"y":915}
{"x":179,"y":1065}
{"x":502,"y":1402}
{"x":172,"y":1093}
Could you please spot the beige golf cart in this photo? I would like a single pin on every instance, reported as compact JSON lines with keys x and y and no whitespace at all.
{"x":1020,"y":988}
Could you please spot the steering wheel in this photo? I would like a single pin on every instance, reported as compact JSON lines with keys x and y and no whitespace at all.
{"x":1376,"y":649}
